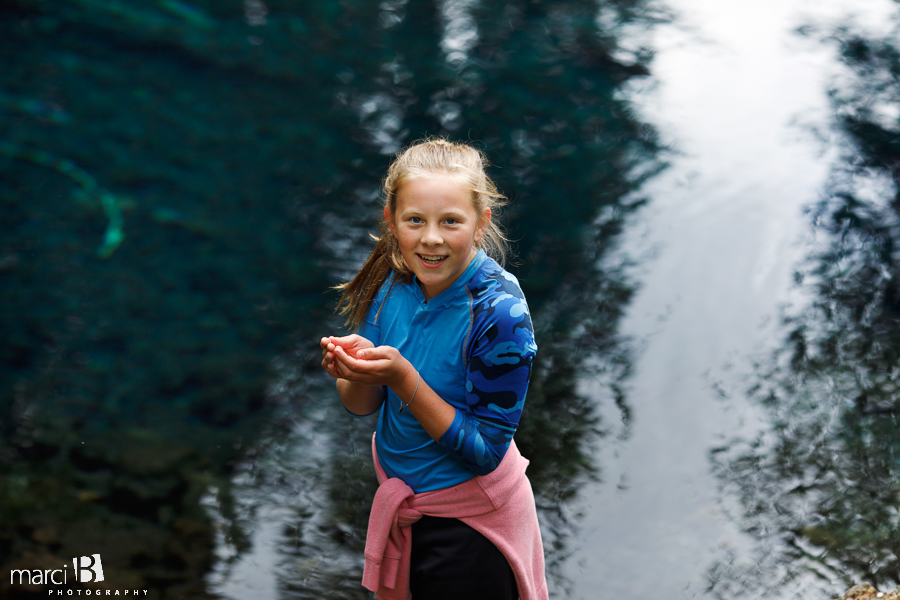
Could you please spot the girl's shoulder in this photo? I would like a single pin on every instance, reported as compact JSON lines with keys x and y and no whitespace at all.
{"x":493,"y":283}
{"x":498,"y":297}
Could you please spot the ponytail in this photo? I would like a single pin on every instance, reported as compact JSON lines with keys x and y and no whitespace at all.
{"x":360,"y":292}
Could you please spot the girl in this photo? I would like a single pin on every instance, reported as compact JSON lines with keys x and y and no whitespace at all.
{"x":443,"y":350}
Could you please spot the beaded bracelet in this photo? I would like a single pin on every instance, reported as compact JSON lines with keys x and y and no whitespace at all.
{"x":406,"y":405}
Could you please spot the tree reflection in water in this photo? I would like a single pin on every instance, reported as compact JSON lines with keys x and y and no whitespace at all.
{"x":537,"y":84}
{"x":818,"y":488}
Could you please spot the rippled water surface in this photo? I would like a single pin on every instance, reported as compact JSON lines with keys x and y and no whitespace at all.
{"x":738,"y":93}
{"x":705,"y":215}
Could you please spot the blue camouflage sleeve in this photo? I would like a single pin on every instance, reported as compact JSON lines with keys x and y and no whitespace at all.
{"x":499,"y":356}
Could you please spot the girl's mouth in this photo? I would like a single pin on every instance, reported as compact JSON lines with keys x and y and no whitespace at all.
{"x":431,"y":260}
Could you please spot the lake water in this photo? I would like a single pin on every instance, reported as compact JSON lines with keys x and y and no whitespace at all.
{"x":713,"y":409}
{"x":740,"y":96}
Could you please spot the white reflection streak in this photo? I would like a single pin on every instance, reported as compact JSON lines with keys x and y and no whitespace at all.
{"x":381,"y":117}
{"x":392,"y":13}
{"x":460,"y":30}
{"x":255,"y":12}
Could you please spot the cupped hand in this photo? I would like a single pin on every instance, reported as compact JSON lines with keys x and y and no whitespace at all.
{"x":382,"y":365}
{"x":350,"y":345}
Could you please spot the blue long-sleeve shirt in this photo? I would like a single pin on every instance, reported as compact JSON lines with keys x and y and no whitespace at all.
{"x":474,"y":345}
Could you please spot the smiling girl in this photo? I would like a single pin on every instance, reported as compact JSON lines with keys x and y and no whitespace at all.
{"x":443,"y":349}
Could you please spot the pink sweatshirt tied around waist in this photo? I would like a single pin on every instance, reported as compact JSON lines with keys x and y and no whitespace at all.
{"x":499,"y":505}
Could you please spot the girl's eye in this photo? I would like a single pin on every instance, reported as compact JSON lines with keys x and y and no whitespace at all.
{"x":415,"y":220}
{"x":451,"y":221}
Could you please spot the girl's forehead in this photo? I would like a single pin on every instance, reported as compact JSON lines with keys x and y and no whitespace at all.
{"x":438,"y":178}
{"x":447,"y":190}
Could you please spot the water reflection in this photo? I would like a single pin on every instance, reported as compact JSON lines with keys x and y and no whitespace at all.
{"x":570,"y":157}
{"x":162,"y":406}
{"x":818,"y":489}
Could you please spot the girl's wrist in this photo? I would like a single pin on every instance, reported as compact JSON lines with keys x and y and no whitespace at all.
{"x":406,"y":379}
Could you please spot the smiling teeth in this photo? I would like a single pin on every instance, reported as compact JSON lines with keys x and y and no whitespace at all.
{"x":432,"y":259}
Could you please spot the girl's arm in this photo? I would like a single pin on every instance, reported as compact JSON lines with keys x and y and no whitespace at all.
{"x":360,"y":399}
{"x":499,"y":359}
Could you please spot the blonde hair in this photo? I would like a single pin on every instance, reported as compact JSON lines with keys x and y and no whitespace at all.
{"x":421,"y":159}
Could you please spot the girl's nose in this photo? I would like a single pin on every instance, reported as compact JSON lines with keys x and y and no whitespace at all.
{"x":432,"y":236}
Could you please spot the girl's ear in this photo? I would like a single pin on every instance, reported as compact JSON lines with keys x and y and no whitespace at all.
{"x":390,"y":221}
{"x":483,"y":225}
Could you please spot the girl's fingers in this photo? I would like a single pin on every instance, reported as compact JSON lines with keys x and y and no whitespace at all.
{"x":355,"y":363}
{"x":341,"y":341}
{"x":328,"y":364}
{"x":381,"y":352}
{"x":363,"y":371}
{"x":340,"y":358}
{"x":334,"y":363}
{"x":351,"y":367}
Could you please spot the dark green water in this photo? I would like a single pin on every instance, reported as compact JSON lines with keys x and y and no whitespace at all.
{"x":181,"y":183}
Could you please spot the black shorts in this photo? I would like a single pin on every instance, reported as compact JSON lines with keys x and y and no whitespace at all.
{"x":450,"y":561}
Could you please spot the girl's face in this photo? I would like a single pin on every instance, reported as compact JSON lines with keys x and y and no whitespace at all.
{"x":437,"y":228}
